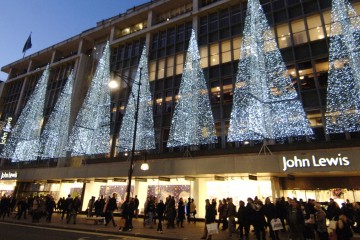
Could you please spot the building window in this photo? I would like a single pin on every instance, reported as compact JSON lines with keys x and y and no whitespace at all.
{"x":161,"y":69}
{"x":236,"y":48}
{"x":283,"y":33}
{"x":214,"y":54}
{"x":152,"y":68}
{"x":316,"y":31}
{"x":170,"y":66}
{"x":204,"y":56}
{"x":179,"y":63}
{"x":226,"y":51}
{"x":298,"y":30}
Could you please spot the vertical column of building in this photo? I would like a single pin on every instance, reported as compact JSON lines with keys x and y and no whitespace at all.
{"x":195,"y":17}
{"x":22,"y":92}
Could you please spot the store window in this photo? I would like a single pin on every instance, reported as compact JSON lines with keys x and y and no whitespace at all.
{"x":316,"y":31}
{"x":283,"y":33}
{"x":298,"y":30}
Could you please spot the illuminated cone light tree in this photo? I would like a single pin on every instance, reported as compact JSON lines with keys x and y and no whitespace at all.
{"x":24,"y":142}
{"x":343,"y":93}
{"x":192,"y":122}
{"x":90,"y":134}
{"x":145,"y":137}
{"x":265,"y":105}
{"x":56,"y":131}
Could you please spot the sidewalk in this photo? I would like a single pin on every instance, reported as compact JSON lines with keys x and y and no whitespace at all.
{"x":190,"y":231}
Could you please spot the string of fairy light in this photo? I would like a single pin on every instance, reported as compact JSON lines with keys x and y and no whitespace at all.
{"x":265,"y":105}
{"x":56,"y":131}
{"x":24,"y":142}
{"x":91,"y":131}
{"x":145,"y":136}
{"x":192,"y":122}
{"x":343,"y":92}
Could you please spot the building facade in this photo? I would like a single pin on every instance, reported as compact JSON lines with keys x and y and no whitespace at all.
{"x":318,"y":167}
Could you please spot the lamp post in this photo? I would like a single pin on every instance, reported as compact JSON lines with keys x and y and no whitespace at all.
{"x":113,"y":84}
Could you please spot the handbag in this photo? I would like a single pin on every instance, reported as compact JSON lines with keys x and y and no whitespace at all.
{"x":332,"y":225}
{"x":212,"y":228}
{"x":276,"y":224}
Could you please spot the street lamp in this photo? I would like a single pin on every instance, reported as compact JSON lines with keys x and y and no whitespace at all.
{"x":114,"y":84}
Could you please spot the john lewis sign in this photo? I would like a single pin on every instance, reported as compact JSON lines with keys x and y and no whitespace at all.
{"x":9,"y":175}
{"x":314,"y":162}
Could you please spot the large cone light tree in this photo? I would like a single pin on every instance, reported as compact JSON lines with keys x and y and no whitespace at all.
{"x":265,"y":105}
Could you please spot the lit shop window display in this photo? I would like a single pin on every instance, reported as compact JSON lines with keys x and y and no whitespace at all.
{"x":7,"y":187}
{"x":239,"y":189}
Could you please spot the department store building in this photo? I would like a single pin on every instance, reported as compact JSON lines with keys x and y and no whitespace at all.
{"x":319,"y":167}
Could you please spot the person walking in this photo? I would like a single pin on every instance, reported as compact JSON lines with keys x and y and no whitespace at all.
{"x":210,"y":214}
{"x":343,"y":229}
{"x":150,"y":209}
{"x":320,"y":218}
{"x":90,"y":206}
{"x":295,"y":220}
{"x":74,"y":209}
{"x":244,"y":221}
{"x":111,"y":206}
{"x":231,"y":214}
{"x":49,"y":207}
{"x":160,"y":209}
{"x":136,"y":206}
{"x":270,"y":213}
{"x":193,"y":210}
{"x":181,"y":213}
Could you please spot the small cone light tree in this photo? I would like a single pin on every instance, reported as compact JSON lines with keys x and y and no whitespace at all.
{"x":91,"y":132}
{"x":192,"y":122}
{"x":140,"y":97}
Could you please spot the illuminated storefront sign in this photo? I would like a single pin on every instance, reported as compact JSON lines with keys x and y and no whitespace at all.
{"x":6,"y":131}
{"x":8,"y":175}
{"x":314,"y":161}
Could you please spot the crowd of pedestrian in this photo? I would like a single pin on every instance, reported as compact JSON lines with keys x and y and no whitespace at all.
{"x":301,"y":220}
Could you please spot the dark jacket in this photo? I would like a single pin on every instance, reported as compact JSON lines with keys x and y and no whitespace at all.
{"x":210,"y":214}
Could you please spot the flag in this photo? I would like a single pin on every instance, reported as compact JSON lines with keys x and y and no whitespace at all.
{"x":28,"y":44}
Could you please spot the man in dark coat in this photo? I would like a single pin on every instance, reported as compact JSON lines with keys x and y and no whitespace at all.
{"x":160,"y":209}
{"x":243,"y":220}
{"x":109,"y":212}
{"x":210,"y":215}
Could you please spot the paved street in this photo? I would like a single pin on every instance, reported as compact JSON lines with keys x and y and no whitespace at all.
{"x":12,"y":229}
